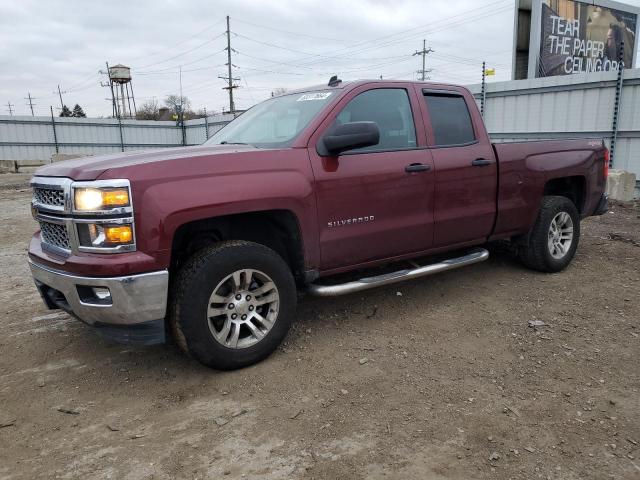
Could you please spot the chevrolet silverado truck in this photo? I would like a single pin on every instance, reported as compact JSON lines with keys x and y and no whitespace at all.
{"x":312,"y":191}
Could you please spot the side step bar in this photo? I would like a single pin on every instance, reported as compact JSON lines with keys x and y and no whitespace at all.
{"x":475,"y":256}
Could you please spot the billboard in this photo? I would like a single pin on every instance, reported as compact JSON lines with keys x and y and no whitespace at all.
{"x":565,"y":37}
{"x":578,"y":37}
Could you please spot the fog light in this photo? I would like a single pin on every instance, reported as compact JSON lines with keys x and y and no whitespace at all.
{"x":105,"y":236}
{"x":122,"y":234}
{"x":102,"y":293}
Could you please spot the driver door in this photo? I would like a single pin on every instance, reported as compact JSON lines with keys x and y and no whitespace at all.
{"x":375,"y":202}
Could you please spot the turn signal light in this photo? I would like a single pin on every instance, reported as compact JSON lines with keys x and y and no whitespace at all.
{"x":115,"y":198}
{"x":122,"y":234}
{"x":607,"y":159}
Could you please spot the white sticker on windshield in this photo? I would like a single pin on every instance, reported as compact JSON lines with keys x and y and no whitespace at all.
{"x":307,"y":97}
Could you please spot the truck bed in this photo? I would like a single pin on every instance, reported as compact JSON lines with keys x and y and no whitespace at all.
{"x":525,"y":169}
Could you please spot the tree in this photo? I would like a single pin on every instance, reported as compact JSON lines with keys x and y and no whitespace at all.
{"x":65,"y":112}
{"x":174,"y":102}
{"x":78,"y":112}
{"x":148,"y":110}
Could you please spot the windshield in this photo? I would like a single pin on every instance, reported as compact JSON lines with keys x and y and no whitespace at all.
{"x":275,"y":122}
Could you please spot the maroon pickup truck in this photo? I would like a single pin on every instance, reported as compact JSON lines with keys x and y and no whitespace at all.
{"x":303,"y":192}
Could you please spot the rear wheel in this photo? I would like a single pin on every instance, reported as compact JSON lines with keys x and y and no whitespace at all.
{"x":233,"y":304}
{"x":554,"y":238}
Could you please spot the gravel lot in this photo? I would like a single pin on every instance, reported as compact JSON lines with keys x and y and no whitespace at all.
{"x":440,"y":378}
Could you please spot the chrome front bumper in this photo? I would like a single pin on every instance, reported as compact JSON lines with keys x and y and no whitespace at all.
{"x":129,"y":309}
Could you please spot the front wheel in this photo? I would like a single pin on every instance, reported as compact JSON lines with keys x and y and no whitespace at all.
{"x":554,"y":238}
{"x":233,"y":304}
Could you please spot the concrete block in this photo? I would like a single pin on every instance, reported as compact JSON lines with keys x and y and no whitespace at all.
{"x":7,"y":166}
{"x":61,"y":157}
{"x":621,"y":185}
{"x":30,"y":163}
{"x":28,"y":169}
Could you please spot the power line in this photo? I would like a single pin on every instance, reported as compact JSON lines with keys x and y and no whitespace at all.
{"x":177,"y":44}
{"x":181,"y":54}
{"x":424,"y":52}
{"x":413,"y":29}
{"x":452,"y":22}
{"x":481,"y":12}
{"x":9,"y":108}
{"x":174,"y":68}
{"x":288,"y":31}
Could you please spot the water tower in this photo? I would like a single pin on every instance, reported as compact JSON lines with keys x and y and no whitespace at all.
{"x":122,"y":91}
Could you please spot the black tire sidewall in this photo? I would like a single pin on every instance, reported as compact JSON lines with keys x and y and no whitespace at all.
{"x":198,"y":287}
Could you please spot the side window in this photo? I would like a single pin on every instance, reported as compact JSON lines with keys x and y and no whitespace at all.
{"x":391,"y":110}
{"x":450,"y":119}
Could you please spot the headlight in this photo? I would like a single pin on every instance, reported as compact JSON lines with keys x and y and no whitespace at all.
{"x":104,"y":235}
{"x":100,"y":199}
{"x":102,"y":216}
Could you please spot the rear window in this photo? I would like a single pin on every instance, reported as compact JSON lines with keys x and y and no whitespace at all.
{"x":450,"y":119}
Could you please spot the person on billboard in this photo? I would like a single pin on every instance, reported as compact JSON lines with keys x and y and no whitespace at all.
{"x":613,"y":43}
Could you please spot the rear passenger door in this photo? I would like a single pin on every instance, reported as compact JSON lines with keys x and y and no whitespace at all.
{"x":466,"y":174}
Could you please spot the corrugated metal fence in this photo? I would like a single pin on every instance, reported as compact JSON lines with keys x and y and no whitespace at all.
{"x":37,"y":138}
{"x":575,"y":106}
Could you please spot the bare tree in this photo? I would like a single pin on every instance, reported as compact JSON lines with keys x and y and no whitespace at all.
{"x":148,"y":110}
{"x":173,"y":102}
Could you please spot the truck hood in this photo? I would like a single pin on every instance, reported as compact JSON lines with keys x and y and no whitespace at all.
{"x":91,"y":168}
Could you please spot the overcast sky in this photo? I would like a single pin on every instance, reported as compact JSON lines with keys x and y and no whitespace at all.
{"x":281,"y":44}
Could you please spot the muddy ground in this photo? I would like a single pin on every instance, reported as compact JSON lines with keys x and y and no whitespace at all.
{"x":440,"y":378}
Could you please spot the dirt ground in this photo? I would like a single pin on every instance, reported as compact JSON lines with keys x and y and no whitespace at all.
{"x":439,"y":378}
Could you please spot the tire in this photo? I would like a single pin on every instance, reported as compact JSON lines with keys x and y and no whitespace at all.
{"x":232,"y":270}
{"x":543,"y":252}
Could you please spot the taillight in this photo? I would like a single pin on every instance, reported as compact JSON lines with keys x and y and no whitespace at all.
{"x":606,"y":162}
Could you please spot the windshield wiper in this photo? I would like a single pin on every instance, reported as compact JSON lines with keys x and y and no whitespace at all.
{"x":224,"y":142}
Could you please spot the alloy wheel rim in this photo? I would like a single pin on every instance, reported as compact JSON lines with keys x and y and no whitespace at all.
{"x":560,"y":235}
{"x":243,"y":308}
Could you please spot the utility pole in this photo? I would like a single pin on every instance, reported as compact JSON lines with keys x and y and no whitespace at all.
{"x":424,"y":52}
{"x":229,"y":78}
{"x":30,"y":104}
{"x":616,"y":105}
{"x":9,"y":105}
{"x":483,"y":92}
{"x":181,"y":112}
{"x":116,"y":112}
{"x":60,"y":95}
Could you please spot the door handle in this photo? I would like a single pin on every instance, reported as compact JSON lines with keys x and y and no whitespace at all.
{"x":481,"y":162}
{"x":417,"y":167}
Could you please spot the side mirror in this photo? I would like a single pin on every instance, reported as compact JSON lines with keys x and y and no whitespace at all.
{"x":349,"y":136}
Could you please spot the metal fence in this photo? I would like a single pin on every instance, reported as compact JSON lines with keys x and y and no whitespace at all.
{"x":24,"y":138}
{"x":575,"y":106}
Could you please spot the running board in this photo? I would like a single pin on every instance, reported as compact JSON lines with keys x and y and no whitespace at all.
{"x":475,"y":256}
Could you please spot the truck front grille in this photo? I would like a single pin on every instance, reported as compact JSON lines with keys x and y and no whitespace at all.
{"x":49,"y":196}
{"x":55,"y":234}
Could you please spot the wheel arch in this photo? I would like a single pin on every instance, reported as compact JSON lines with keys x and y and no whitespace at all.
{"x":278,"y":229}
{"x":571,"y":187}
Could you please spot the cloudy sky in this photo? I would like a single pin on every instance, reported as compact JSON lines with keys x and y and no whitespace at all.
{"x":283,"y":44}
